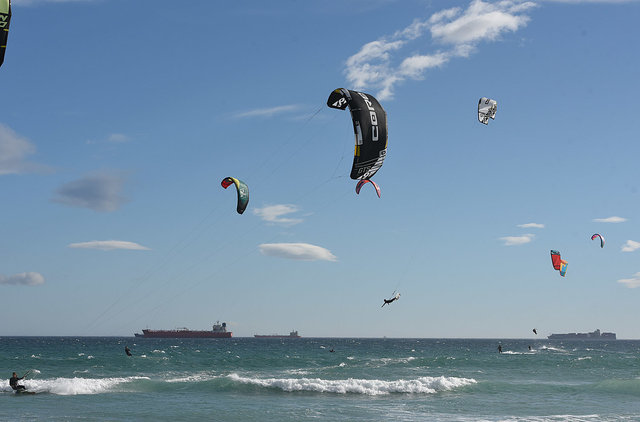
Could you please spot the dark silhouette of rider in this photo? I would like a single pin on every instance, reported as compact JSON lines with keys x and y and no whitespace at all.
{"x":393,"y":299}
{"x":13,"y":382}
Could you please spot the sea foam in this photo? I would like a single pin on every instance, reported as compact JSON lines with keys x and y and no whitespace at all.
{"x":74,"y":386}
{"x":422,"y":385}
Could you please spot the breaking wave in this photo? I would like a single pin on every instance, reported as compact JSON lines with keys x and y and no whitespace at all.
{"x":74,"y":386}
{"x":422,"y":385}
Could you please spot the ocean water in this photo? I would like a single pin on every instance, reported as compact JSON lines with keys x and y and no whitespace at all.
{"x":247,"y":379}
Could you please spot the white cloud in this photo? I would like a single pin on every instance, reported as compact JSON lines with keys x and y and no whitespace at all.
{"x":517,"y":240}
{"x":613,"y":219}
{"x":297,"y":251}
{"x":99,"y":192}
{"x":380,"y":64}
{"x":531,"y":225}
{"x":274,"y":213}
{"x":108,"y":245}
{"x":26,"y":279}
{"x":630,"y":246}
{"x":480,"y":22}
{"x":14,"y":150}
{"x":267,"y":112}
{"x":632,"y":282}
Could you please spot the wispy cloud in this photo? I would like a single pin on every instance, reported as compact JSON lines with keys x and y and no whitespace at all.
{"x":613,"y":219}
{"x":109,"y":245}
{"x":267,"y":112}
{"x":99,"y":192}
{"x":517,"y":240}
{"x":630,"y":246}
{"x":14,"y":150}
{"x":383,"y":63}
{"x":632,"y":282}
{"x":531,"y":226}
{"x":297,"y":251}
{"x":25,"y":279}
{"x":274,"y":214}
{"x":113,"y":138}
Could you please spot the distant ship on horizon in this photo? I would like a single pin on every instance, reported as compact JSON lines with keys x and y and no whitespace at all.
{"x":218,"y":331}
{"x":594,"y":335}
{"x":292,"y":334}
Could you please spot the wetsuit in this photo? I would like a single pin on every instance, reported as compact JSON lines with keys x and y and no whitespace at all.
{"x":388,"y":301}
{"x":13,"y":382}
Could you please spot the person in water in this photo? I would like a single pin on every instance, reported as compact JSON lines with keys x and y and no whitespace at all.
{"x":387,"y":301}
{"x":127,"y":351}
{"x":13,"y":382}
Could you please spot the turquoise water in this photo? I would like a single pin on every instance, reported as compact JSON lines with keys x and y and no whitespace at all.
{"x":244,"y":379}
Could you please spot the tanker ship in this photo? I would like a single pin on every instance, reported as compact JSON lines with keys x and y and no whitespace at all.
{"x":292,"y":334}
{"x":218,"y":331}
{"x":594,"y":335}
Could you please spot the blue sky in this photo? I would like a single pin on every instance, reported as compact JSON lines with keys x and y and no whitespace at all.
{"x":120,"y":119}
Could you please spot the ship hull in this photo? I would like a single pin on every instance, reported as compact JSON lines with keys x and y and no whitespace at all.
{"x":274,"y":336}
{"x":184,"y":334}
{"x":579,"y":337}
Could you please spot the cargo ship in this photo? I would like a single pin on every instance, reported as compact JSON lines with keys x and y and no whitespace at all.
{"x":594,"y":335}
{"x":292,"y":334}
{"x":218,"y":331}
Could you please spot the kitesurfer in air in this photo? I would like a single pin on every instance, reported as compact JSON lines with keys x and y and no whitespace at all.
{"x":13,"y":382}
{"x":387,"y":301}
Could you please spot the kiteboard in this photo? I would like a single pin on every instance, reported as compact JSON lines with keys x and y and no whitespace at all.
{"x":21,"y":392}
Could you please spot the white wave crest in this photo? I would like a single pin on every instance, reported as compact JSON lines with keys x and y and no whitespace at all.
{"x":74,"y":386}
{"x":193,"y":378}
{"x":422,"y":385}
{"x":554,"y":349}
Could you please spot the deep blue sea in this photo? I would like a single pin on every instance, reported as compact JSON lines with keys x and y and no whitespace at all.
{"x":247,"y":379}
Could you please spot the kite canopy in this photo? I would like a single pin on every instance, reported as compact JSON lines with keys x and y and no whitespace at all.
{"x":243,"y":192}
{"x":558,"y":263}
{"x":5,"y":18}
{"x":563,"y":267}
{"x":555,"y":260}
{"x":595,"y":236}
{"x":487,"y":109}
{"x":361,"y":183}
{"x":370,"y":128}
